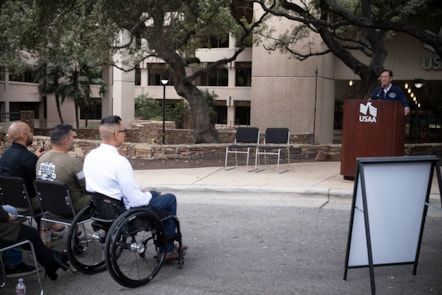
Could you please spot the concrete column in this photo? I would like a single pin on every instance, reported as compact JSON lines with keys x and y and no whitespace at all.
{"x":230,"y":112}
{"x":123,"y":100}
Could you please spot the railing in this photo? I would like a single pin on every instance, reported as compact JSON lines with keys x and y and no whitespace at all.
{"x":12,"y":116}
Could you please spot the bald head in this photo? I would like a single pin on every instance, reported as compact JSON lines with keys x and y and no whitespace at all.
{"x":20,"y":132}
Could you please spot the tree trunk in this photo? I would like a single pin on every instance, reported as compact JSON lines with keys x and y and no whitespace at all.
{"x":57,"y":103}
{"x":77,"y":122}
{"x":204,"y":131}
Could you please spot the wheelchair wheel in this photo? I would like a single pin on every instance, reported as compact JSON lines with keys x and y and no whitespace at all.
{"x":85,"y":243}
{"x":132,"y":248}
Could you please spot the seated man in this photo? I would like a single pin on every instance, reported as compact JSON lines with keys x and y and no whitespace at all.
{"x":109,"y":173}
{"x":57,"y":165}
{"x":12,"y":231}
{"x":18,"y":161}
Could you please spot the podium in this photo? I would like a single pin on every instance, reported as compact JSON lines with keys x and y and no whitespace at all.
{"x":371,"y":129}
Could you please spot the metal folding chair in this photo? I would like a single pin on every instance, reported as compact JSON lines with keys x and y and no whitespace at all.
{"x":13,"y":192}
{"x":275,"y":140}
{"x":55,"y":200}
{"x":34,"y":260}
{"x":246,"y":138}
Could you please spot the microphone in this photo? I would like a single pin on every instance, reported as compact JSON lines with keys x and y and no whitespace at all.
{"x":379,"y":93}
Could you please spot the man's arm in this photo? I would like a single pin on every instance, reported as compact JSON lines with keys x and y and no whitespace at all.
{"x":131,"y":191}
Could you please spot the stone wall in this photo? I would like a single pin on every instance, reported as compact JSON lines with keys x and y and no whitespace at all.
{"x":309,"y":152}
{"x":150,"y":132}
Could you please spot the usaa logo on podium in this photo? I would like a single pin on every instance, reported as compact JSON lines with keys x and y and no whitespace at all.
{"x":367,"y":113}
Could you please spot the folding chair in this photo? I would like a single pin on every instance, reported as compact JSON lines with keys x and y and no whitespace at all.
{"x":275,"y":140}
{"x":246,"y":138}
{"x":55,"y":200}
{"x":34,"y":260}
{"x":13,"y":192}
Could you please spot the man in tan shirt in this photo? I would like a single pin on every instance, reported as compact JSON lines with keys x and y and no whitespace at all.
{"x":57,"y":165}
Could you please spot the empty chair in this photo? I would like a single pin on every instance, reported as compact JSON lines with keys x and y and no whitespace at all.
{"x":246,"y":138}
{"x":275,"y":140}
{"x":13,"y":192}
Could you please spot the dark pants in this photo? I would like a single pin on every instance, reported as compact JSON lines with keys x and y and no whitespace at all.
{"x":166,"y":202}
{"x":45,"y":256}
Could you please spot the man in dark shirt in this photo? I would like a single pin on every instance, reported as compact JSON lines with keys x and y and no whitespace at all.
{"x":388,"y":91}
{"x":18,"y":161}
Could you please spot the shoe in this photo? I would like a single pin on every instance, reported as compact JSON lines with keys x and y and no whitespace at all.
{"x":56,"y":227}
{"x":56,"y":235}
{"x":19,"y":270}
{"x":170,"y":256}
{"x":176,"y":248}
{"x":60,"y":261}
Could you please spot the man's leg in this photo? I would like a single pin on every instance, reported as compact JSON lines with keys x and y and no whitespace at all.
{"x":13,"y":257}
{"x":168,"y":203}
{"x":43,"y":253}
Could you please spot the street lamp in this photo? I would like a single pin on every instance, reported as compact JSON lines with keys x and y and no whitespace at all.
{"x":164,"y":81}
{"x":418,"y":83}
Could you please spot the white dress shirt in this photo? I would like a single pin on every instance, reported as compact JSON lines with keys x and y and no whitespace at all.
{"x":109,"y":173}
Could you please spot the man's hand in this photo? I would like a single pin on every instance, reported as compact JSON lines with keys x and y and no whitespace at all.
{"x":406,"y":111}
{"x":39,"y":152}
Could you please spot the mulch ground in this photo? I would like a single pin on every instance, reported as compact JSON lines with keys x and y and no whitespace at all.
{"x":142,"y":164}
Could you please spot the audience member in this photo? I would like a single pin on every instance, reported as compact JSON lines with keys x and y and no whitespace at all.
{"x":109,"y":173}
{"x":18,"y":161}
{"x":57,"y":165}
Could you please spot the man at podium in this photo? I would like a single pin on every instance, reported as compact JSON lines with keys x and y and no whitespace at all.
{"x":388,"y":91}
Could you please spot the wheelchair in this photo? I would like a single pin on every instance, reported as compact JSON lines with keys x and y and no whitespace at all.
{"x":129,"y":244}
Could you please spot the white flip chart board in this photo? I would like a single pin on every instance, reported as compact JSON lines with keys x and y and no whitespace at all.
{"x":388,"y":212}
{"x":396,"y":195}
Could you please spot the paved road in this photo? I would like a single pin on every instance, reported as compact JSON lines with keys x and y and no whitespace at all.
{"x":281,"y":246}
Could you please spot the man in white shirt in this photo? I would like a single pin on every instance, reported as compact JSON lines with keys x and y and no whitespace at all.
{"x":109,"y":173}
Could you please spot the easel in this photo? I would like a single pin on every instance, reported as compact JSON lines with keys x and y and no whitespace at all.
{"x":390,"y":202}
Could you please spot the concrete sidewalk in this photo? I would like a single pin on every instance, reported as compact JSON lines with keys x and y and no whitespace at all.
{"x":315,"y":179}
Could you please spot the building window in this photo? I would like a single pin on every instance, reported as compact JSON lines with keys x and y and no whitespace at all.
{"x":27,"y":77}
{"x":214,"y":41}
{"x":243,"y":74}
{"x":242,"y":115}
{"x":243,"y":9}
{"x":221,"y":115}
{"x":93,"y":112}
{"x":16,"y":107}
{"x":156,"y":72}
{"x":137,"y":76}
{"x":216,"y":77}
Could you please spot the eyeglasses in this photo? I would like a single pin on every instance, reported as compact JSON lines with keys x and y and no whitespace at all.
{"x":122,"y":131}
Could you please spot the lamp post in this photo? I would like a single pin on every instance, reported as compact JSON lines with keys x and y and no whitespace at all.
{"x":164,"y":82}
{"x":418,"y":83}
